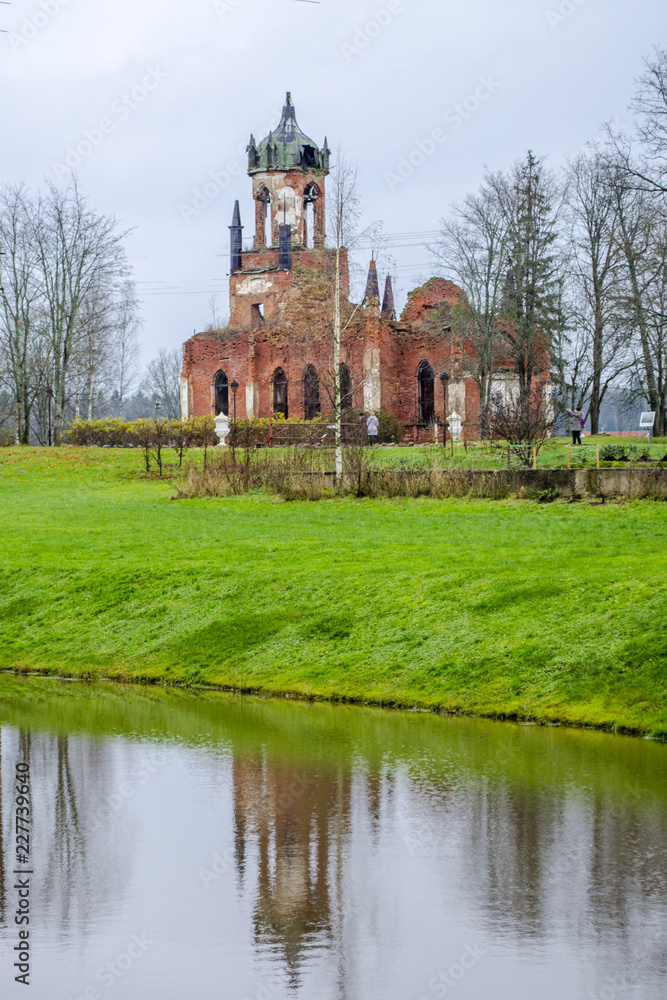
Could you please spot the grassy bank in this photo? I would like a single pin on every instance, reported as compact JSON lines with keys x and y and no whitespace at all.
{"x":555,"y":612}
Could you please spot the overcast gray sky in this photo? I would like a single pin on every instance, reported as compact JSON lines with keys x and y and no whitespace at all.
{"x":160,"y":98}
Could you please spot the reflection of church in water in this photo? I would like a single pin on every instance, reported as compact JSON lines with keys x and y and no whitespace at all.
{"x":292,"y":826}
{"x":288,"y":820}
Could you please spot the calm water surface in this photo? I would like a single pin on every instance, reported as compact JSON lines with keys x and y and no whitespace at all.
{"x":198,"y":846}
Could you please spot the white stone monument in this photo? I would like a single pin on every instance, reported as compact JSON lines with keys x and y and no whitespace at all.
{"x":222,"y":429}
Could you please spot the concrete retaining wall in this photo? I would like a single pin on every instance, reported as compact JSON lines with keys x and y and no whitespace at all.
{"x":632,"y":483}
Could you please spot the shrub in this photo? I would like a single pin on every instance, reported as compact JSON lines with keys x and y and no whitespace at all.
{"x":624,"y":453}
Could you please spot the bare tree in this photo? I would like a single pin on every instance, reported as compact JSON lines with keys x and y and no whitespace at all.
{"x":657,"y":322}
{"x":521,"y":419}
{"x":650,"y":107}
{"x":163,"y":380}
{"x":124,"y":347}
{"x":78,"y":252}
{"x":640,"y":228}
{"x":91,"y":347}
{"x":594,"y":265}
{"x":472,"y":251}
{"x":344,"y":213}
{"x":20,"y":301}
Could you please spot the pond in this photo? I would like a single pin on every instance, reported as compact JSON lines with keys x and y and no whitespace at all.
{"x":198,"y":845}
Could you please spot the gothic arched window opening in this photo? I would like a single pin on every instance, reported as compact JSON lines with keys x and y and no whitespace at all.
{"x":311,"y":393}
{"x":345,"y":388}
{"x":280,"y":392}
{"x":426,"y":380}
{"x":310,"y":197}
{"x":263,"y":217}
{"x":221,"y":385}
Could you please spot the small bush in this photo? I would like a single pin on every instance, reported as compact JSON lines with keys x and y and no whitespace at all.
{"x":624,"y":453}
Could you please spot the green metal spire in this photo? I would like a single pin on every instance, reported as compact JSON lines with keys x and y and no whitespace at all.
{"x":287,"y":147}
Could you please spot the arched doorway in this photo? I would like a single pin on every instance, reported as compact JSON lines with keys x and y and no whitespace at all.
{"x":221,"y":390}
{"x":345,"y":388}
{"x":311,"y":393}
{"x":280,"y":392}
{"x":426,"y":380}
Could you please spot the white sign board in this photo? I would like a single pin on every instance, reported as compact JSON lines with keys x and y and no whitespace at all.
{"x":647,"y":420}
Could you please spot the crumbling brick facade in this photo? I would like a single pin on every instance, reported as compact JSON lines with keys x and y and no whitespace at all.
{"x":278,"y":346}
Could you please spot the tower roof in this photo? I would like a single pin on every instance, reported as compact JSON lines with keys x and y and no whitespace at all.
{"x":287,"y":147}
{"x":388,"y":308}
{"x":372,"y":293}
{"x":236,"y":217}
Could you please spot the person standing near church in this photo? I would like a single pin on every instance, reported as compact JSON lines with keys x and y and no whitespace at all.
{"x":576,"y":423}
{"x":372,"y":427}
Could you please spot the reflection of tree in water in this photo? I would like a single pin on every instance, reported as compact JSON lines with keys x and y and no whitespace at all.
{"x":547,"y":861}
{"x":67,"y":863}
{"x":7,"y":850}
{"x":80,"y":863}
{"x":511,"y":837}
{"x":3,"y":890}
{"x":290,"y":819}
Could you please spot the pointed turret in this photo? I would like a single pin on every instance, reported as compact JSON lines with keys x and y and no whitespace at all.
{"x":236,"y":239}
{"x":388,"y":308}
{"x":326,"y":155}
{"x":372,"y":293}
{"x":253,"y":155}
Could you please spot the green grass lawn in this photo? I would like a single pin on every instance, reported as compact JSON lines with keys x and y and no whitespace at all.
{"x":555,"y":612}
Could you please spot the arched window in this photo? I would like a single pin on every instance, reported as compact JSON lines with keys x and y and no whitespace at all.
{"x":426,"y":379}
{"x":310,"y":197}
{"x":280,"y":392}
{"x":221,"y":385}
{"x":263,"y":217}
{"x":311,"y":393}
{"x":345,"y":388}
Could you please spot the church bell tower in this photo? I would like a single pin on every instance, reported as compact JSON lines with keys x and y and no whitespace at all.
{"x":288,"y":172}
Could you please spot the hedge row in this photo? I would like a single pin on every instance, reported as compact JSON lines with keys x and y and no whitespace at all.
{"x":112,"y":433}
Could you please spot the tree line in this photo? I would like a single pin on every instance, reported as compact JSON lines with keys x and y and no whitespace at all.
{"x":69,"y":319}
{"x":565,"y":274}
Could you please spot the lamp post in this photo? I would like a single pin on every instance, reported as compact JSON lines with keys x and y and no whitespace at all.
{"x":444,"y":378}
{"x":157,"y":407}
{"x":49,"y":397}
{"x":234,"y":388}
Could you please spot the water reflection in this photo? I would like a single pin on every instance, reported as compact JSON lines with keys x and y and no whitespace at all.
{"x":287,"y":818}
{"x":368,"y":851}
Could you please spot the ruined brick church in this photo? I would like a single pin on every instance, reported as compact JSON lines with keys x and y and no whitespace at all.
{"x":276,"y":354}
